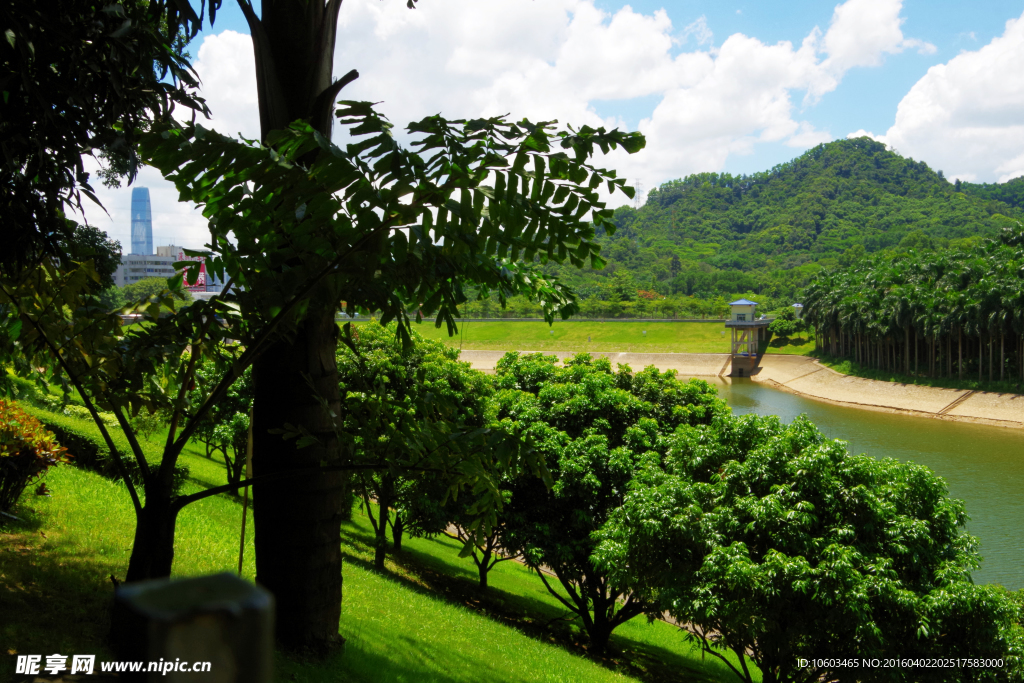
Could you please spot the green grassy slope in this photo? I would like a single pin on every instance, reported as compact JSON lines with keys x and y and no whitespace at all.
{"x":420,"y":621}
{"x":576,"y":336}
{"x":579,"y":336}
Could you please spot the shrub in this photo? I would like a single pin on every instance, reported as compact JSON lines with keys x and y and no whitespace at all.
{"x":596,"y":428}
{"x":27,"y":450}
{"x":772,"y":540}
{"x":85,"y":442}
{"x":27,"y":391}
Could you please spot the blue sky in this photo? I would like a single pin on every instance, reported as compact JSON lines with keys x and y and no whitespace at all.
{"x":868,"y":97}
{"x":729,"y":87}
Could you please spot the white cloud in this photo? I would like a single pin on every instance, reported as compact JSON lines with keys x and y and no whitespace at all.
{"x":865,"y":134}
{"x":562,"y":58}
{"x":964,"y":116}
{"x":700,"y":31}
{"x":569,"y":60}
{"x":225,"y":65}
{"x":864,"y":31}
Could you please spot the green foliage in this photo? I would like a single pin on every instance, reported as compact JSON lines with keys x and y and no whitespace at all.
{"x":771,"y":539}
{"x":112,"y":298}
{"x":392,"y":230}
{"x":154,"y":286}
{"x":146,"y":424}
{"x":88,"y":242}
{"x":831,"y":198}
{"x":960,"y":309}
{"x":595,"y":429}
{"x":79,"y":76}
{"x":768,"y":233}
{"x":786,"y":324}
{"x":225,"y":427}
{"x":1011,"y":192}
{"x":27,"y":450}
{"x":86,"y":444}
{"x":87,"y":526}
{"x":418,"y":419}
{"x":306,"y":224}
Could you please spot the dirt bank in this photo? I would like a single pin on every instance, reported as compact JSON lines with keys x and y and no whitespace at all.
{"x":686,"y":364}
{"x":806,"y":377}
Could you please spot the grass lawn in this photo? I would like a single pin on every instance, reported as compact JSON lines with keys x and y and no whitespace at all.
{"x":797,"y":346}
{"x":422,"y":620}
{"x":585,"y":335}
{"x":591,"y":336}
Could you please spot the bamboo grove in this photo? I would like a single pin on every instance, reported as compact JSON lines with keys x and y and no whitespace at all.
{"x":955,"y":313}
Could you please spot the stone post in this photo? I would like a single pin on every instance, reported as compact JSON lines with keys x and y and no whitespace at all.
{"x":219,"y":619}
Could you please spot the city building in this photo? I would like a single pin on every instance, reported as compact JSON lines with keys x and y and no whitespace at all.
{"x":135,"y":267}
{"x":142,"y":222}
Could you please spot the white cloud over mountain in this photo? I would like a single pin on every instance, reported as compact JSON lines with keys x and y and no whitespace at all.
{"x":569,"y":60}
{"x":964,"y":116}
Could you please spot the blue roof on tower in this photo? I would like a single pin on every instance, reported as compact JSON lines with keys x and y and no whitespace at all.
{"x":743,"y":302}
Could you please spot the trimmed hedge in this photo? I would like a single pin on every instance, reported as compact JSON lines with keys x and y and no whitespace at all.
{"x":84,"y":441}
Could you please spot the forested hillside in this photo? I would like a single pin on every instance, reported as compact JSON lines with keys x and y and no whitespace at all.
{"x":711,"y":235}
{"x":701,"y":240}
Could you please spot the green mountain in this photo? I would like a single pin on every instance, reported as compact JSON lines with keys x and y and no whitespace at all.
{"x":715,"y":234}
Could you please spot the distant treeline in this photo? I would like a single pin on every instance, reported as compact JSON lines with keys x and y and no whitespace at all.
{"x":952,"y":313}
{"x":646,"y":304}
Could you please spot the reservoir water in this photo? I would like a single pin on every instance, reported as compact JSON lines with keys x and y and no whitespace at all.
{"x":983,"y":466}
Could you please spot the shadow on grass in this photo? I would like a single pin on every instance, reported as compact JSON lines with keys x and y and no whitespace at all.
{"x":360,"y":665}
{"x":782,"y":342}
{"x":55,"y":596}
{"x":431,"y":575}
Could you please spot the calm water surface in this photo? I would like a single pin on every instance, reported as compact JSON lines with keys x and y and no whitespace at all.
{"x":983,"y":466}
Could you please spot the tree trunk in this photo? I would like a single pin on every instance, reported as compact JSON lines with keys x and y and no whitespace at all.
{"x":949,"y":356}
{"x":297,"y":521}
{"x":906,"y":351}
{"x":397,"y":527}
{"x":380,"y":551}
{"x":298,"y":518}
{"x":960,"y":353}
{"x":483,"y":568}
{"x":600,"y":632}
{"x":385,"y":496}
{"x":153,"y":547}
{"x":1002,"y":355}
{"x":152,"y":557}
{"x":234,"y":467}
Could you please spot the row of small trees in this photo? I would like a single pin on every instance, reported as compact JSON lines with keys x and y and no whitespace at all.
{"x":650,"y":498}
{"x":955,"y":313}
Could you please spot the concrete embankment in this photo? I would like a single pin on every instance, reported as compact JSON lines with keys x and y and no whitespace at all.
{"x":806,"y":377}
{"x":686,"y":364}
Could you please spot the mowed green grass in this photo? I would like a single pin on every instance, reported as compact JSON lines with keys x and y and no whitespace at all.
{"x":413,"y":623}
{"x":797,"y":346}
{"x":593,"y":336}
{"x":580,"y":336}
{"x":516,"y":596}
